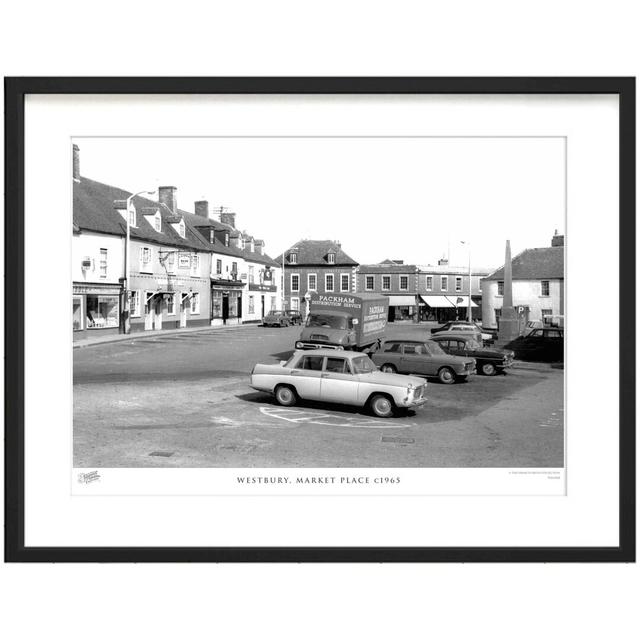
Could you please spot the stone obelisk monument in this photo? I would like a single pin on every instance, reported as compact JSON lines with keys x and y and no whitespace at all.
{"x":508,"y":319}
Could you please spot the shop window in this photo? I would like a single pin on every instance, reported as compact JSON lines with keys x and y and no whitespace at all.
{"x":444,"y":283}
{"x":328,"y":282}
{"x":77,"y":314}
{"x":195,"y":303}
{"x":344,"y":282}
{"x":102,"y":312}
{"x":134,"y":303}
{"x":500,"y":287}
{"x":312,"y":282}
{"x":216,"y":304}
{"x":458,"y":283}
{"x":171,"y":304}
{"x":545,"y":287}
{"x":368,"y":283}
{"x":251,"y":305}
{"x":547,"y":316}
{"x":404,"y":283}
{"x":386,"y":283}
{"x":103,"y":263}
{"x":295,"y":304}
{"x":273,"y":303}
{"x":295,"y":282}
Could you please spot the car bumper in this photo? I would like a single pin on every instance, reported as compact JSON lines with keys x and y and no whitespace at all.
{"x":505,"y":365}
{"x":315,"y":345}
{"x":411,"y":404}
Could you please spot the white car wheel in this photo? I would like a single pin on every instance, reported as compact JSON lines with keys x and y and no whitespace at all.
{"x":381,"y":406}
{"x":285,"y":396}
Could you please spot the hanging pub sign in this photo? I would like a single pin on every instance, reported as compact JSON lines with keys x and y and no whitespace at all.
{"x":266,"y":276}
{"x":184,"y":261}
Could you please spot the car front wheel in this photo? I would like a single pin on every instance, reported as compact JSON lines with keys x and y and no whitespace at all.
{"x":488,"y":369}
{"x":388,"y":368}
{"x":446,"y":375}
{"x":285,"y":396}
{"x":381,"y":406}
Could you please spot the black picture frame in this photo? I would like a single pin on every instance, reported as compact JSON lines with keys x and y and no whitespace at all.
{"x":15,"y":91}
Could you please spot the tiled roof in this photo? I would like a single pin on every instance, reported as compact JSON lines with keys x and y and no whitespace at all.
{"x":218,"y":247}
{"x":93,"y":210}
{"x":314,"y":252}
{"x":387,"y":267}
{"x":534,"y":264}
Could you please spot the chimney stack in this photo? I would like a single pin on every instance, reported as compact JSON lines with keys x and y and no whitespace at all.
{"x":443,"y":262}
{"x":76,"y":163}
{"x":202,"y":208}
{"x":557,"y":240}
{"x":228,"y":218}
{"x":167,"y":196}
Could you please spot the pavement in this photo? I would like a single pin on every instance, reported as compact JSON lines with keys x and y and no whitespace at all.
{"x":182,"y":399}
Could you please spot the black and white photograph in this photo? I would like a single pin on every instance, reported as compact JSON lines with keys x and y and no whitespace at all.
{"x":313,"y":302}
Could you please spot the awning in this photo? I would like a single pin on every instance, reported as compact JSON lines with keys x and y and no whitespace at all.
{"x":438,"y":302}
{"x":461,"y":301}
{"x":402,"y":301}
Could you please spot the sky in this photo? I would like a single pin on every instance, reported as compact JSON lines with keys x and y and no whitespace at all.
{"x":413,"y":199}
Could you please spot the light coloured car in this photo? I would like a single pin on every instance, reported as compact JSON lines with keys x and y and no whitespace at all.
{"x":341,"y":377}
{"x":461,"y":326}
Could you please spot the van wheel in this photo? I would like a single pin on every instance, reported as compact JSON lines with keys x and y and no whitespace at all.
{"x":388,"y":368}
{"x":381,"y":406}
{"x":446,"y":376}
{"x":285,"y":396}
{"x":488,"y":369}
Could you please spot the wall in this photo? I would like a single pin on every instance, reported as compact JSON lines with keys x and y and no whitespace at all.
{"x":320,"y":272}
{"x":89,"y":244}
{"x":525,"y":293}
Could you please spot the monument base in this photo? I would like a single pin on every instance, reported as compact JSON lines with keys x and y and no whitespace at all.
{"x":509,"y":330}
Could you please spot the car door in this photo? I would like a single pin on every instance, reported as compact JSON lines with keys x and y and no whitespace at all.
{"x":415,"y":360}
{"x":338,"y":384}
{"x":389,"y":353}
{"x":445,"y":345}
{"x":307,"y":375}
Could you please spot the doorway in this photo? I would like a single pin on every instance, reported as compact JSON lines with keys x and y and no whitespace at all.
{"x":262,"y":306}
{"x":184,"y":304}
{"x":225,"y":308}
{"x":148,"y":312}
{"x":158,"y":303}
{"x":239,"y":309}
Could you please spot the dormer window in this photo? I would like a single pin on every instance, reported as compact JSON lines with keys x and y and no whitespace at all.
{"x":132,"y":217}
{"x":253,"y":246}
{"x":182,"y":229}
{"x":331,"y":257}
{"x":157,"y":222}
{"x":212,"y":236}
{"x":293,"y":258}
{"x":226,"y":238}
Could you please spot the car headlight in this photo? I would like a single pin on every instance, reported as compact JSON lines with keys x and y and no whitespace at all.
{"x":299,"y":345}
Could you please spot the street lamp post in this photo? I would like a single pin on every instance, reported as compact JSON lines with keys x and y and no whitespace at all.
{"x":468,"y":244}
{"x":127,"y":267}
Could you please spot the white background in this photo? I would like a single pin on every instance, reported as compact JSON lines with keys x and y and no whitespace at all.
{"x":490,"y":38}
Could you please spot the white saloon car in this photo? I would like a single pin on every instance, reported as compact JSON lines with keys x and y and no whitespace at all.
{"x":343,"y":377}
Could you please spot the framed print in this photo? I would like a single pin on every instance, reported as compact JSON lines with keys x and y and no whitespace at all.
{"x":320,"y":319}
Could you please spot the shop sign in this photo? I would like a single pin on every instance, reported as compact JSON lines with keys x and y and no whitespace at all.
{"x":163,"y":282}
{"x":184,"y":262}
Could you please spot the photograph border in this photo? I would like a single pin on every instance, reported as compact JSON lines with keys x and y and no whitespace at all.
{"x":15,"y":91}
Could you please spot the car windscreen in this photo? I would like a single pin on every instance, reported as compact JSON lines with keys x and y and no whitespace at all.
{"x":329,"y":321}
{"x":362,"y":364}
{"x":433,"y":348}
{"x":473,"y":344}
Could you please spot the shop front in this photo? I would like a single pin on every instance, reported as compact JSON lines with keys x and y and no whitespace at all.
{"x":262,"y":299}
{"x":96,"y":308}
{"x":226,"y":302}
{"x":403,"y":309}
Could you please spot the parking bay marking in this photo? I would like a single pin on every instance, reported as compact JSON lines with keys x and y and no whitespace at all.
{"x":299,"y":417}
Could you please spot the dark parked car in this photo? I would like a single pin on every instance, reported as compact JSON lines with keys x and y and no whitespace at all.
{"x":541,"y":345}
{"x":489,"y":361}
{"x":294,"y":316}
{"x":276,"y":319}
{"x":424,"y":357}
